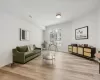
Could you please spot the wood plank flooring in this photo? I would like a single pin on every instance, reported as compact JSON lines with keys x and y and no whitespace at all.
{"x":66,"y":67}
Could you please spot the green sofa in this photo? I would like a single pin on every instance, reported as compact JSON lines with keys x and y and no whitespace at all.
{"x":23,"y":54}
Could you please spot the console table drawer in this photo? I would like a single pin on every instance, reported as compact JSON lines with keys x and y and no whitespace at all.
{"x":70,"y":50}
{"x":87,"y":54}
{"x":80,"y":50}
{"x":69,"y":46}
{"x":87,"y":50}
{"x":75,"y":49}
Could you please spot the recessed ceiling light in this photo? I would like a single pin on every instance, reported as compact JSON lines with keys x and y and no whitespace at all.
{"x":58,"y":15}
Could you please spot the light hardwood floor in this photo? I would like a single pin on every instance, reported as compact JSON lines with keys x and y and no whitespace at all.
{"x":66,"y":67}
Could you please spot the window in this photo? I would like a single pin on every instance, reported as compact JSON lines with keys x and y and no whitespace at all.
{"x":55,"y":37}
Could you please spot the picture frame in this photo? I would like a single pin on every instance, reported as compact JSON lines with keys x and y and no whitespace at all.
{"x":81,"y":33}
{"x":24,"y":35}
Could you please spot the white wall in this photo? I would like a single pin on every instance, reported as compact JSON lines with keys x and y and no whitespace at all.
{"x":66,"y":35}
{"x":90,"y":20}
{"x":9,"y":36}
{"x":98,"y":31}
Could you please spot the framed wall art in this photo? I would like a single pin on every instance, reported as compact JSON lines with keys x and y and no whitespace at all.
{"x":81,"y":33}
{"x":24,"y":35}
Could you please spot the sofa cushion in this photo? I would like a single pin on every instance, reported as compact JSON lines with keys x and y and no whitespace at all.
{"x":37,"y":51}
{"x":28,"y":54}
{"x":22,"y":48}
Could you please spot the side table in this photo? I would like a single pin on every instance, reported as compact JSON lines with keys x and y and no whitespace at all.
{"x":97,"y":55}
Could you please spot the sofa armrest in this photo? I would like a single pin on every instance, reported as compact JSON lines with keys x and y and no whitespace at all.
{"x":18,"y":56}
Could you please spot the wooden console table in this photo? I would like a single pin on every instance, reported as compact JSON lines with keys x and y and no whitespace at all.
{"x":87,"y":52}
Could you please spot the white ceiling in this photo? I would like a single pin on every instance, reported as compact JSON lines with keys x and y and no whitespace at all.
{"x":43,"y":12}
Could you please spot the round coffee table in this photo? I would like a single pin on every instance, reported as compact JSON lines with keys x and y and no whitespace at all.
{"x":48,"y":55}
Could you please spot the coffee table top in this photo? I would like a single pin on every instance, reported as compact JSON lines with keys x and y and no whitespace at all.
{"x":48,"y":55}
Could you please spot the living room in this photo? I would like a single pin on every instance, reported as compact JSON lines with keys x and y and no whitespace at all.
{"x":39,"y":18}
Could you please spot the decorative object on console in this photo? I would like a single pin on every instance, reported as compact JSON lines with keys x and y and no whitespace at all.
{"x":24,"y":35}
{"x":85,"y":45}
{"x":74,"y":44}
{"x":81,"y":33}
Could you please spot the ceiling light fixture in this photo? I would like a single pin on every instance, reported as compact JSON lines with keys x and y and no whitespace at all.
{"x":58,"y":15}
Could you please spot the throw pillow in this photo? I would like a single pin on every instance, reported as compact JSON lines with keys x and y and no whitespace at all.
{"x":29,"y":49}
